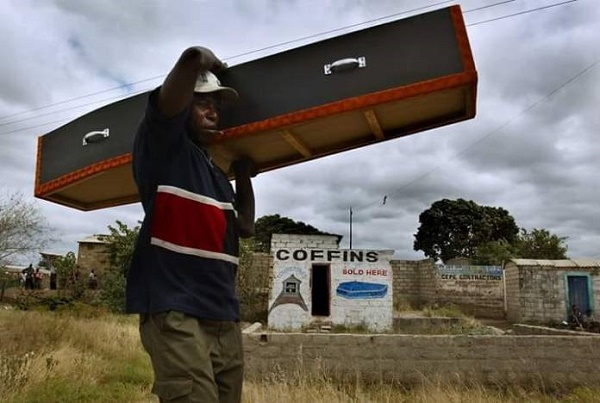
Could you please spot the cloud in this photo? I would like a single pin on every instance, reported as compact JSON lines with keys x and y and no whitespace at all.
{"x":531,"y":149}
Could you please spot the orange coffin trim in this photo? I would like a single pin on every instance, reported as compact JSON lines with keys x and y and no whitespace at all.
{"x":350,"y":104}
{"x":462,"y":39}
{"x":75,"y":176}
{"x":467,"y":78}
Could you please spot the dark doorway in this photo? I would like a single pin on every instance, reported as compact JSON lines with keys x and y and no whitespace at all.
{"x":579,"y":293}
{"x":320,"y":290}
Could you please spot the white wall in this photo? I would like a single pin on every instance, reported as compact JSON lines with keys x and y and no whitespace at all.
{"x":350,"y":271}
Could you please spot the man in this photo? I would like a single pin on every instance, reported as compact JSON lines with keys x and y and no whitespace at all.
{"x":182,"y":276}
{"x":28,"y":271}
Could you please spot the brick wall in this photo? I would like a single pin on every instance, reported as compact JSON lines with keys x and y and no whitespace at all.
{"x":532,"y":360}
{"x":92,"y":256}
{"x":419,"y":283}
{"x":414,"y":281}
{"x":476,"y":297}
{"x":537,"y":294}
{"x":513,"y":294}
{"x":542,"y":294}
{"x":290,"y":241}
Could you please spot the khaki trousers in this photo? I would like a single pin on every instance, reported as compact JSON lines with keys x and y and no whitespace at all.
{"x":194,"y":360}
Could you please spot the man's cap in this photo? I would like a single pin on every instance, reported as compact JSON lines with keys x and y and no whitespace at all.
{"x":207,"y":83}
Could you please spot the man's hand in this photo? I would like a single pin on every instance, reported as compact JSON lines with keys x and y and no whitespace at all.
{"x":244,"y":168}
{"x":178,"y":89}
{"x":208,"y":60}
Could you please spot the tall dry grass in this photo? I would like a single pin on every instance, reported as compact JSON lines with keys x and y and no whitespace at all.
{"x":63,"y":358}
{"x":49,"y":357}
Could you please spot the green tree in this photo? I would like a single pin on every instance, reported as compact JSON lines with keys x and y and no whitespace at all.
{"x":67,"y":275}
{"x":268,"y":225}
{"x":120,"y":245}
{"x":539,"y":243}
{"x":494,"y":253}
{"x":457,"y":228}
{"x":23,"y":228}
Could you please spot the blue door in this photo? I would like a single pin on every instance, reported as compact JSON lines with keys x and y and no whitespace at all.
{"x":579,"y":293}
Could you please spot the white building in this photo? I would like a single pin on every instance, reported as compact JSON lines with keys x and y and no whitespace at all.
{"x":314,"y":281}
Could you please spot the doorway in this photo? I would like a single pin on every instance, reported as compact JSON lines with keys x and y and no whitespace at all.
{"x":579,"y":293}
{"x":320,"y":290}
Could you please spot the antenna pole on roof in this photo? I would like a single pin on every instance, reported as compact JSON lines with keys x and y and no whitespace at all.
{"x":350,"y":227}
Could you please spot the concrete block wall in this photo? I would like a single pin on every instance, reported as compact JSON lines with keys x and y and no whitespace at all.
{"x":542,"y":294}
{"x":429,"y":279}
{"x":531,"y":360}
{"x":414,"y":281}
{"x":480,"y":298}
{"x":262,"y":265}
{"x":513,"y":294}
{"x":92,"y":256}
{"x":537,"y":294}
{"x":419,"y":283}
{"x":290,"y":241}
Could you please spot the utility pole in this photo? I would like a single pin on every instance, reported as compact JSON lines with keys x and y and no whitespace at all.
{"x":350,"y":227}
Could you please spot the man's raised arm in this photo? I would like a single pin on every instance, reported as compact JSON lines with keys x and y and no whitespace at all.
{"x":178,"y":89}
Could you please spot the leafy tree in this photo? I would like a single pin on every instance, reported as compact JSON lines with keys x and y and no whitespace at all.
{"x":23,"y":228}
{"x":68,"y":275}
{"x":456,"y":228}
{"x":268,"y":225}
{"x":120,"y":246}
{"x":65,"y":269}
{"x":493,"y":253}
{"x":541,"y":244}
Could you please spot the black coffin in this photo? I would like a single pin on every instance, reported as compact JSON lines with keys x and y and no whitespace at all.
{"x":342,"y":93}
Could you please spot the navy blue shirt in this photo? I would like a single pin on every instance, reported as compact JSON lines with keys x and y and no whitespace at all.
{"x":186,"y":255}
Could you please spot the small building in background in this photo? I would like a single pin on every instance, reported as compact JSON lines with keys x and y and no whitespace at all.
{"x":544,"y":291}
{"x":316,"y":283}
{"x":92,"y":254}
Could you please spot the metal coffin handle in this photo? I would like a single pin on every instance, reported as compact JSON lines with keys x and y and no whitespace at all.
{"x":95,"y":136}
{"x":347,"y":64}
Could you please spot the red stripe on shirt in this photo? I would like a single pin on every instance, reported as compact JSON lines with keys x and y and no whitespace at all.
{"x":188,"y":223}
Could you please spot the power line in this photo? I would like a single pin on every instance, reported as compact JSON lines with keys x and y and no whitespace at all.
{"x":79,"y":97}
{"x":491,"y":133}
{"x":245,"y":54}
{"x":336,"y":30}
{"x":117,"y":97}
{"x":521,"y":13}
{"x":60,"y":120}
{"x":225,"y":59}
{"x":488,"y":6}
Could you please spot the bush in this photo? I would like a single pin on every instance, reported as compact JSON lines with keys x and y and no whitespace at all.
{"x":252,"y":285}
{"x":112,"y":291}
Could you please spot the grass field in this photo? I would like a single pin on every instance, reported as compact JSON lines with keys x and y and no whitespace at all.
{"x":90,"y":356}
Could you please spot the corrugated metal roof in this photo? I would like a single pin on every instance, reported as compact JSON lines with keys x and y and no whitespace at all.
{"x":557,"y":263}
{"x":100,"y":238}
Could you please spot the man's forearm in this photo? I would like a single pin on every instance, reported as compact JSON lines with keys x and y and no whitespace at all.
{"x":245,"y":205}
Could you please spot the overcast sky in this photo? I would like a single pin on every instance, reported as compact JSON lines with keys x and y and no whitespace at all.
{"x":532,"y":149}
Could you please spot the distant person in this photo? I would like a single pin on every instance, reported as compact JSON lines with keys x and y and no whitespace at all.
{"x":74,"y":277}
{"x":92,"y":280}
{"x":576,"y":318}
{"x":29,"y":283}
{"x":37,"y":279}
{"x":53,"y":278}
{"x":182,"y":276}
{"x":22,"y":279}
